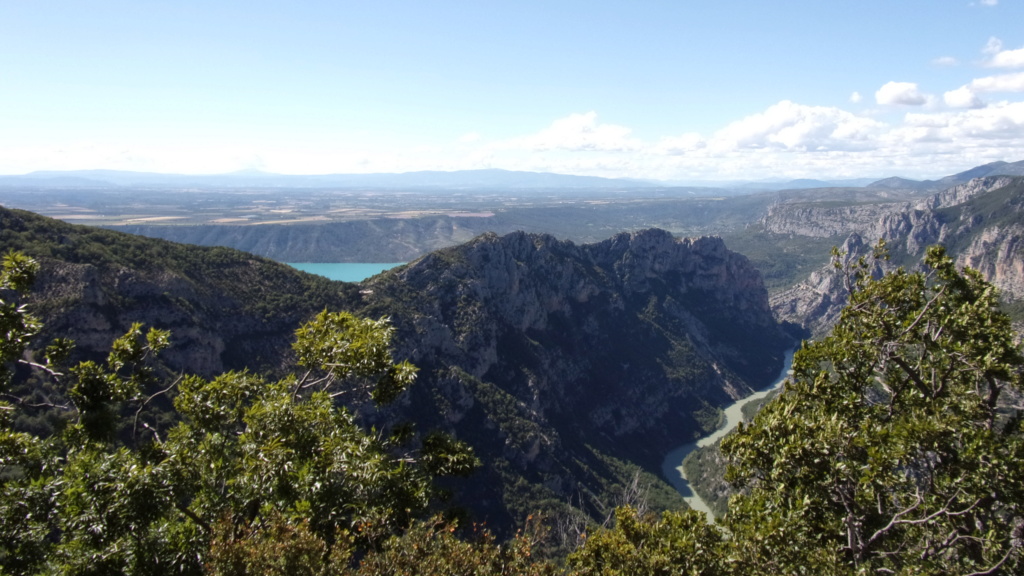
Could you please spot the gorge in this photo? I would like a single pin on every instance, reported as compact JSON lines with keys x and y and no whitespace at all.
{"x":570,"y":369}
{"x":673,"y":469}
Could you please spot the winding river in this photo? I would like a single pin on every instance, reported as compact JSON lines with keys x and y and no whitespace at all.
{"x":672,"y":466}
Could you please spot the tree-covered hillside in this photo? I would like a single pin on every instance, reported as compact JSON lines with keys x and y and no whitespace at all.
{"x":227,"y":309}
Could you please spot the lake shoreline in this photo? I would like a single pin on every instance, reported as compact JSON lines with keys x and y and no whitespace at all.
{"x":344,"y":271}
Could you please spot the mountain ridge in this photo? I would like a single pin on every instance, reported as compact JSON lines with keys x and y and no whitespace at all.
{"x":980,"y":222}
{"x":998,"y":168}
{"x":486,"y":178}
{"x":429,"y":179}
{"x":618,"y":349}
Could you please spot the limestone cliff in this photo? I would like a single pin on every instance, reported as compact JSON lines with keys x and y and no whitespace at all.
{"x":998,"y":253}
{"x":549,"y":356}
{"x":817,"y":221}
{"x":981,"y":223}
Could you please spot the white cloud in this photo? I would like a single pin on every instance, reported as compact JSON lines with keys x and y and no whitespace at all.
{"x":993,"y":46}
{"x":1007,"y":59}
{"x":901,"y":94}
{"x":795,"y":140}
{"x":791,"y":126}
{"x":989,"y":2}
{"x":999,"y":58}
{"x":785,"y":140}
{"x":962,"y":97}
{"x":579,"y":132}
{"x":676,"y":145}
{"x":947,"y":61}
{"x":1003,"y":122}
{"x":995,"y":132}
{"x":997,"y":124}
{"x":1001,"y":83}
{"x":856,"y":97}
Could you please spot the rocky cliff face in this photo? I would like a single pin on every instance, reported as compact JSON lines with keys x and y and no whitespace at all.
{"x":549,"y":356}
{"x":828,"y":221}
{"x":981,"y":223}
{"x":998,"y":253}
{"x":536,"y":285}
{"x":815,"y":303}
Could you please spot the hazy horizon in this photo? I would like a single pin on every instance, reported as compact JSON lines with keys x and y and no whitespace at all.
{"x":660,"y":90}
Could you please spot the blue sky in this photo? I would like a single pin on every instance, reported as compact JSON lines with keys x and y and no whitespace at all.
{"x":672,"y":90}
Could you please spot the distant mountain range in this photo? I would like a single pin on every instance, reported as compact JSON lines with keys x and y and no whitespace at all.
{"x":984,"y":171}
{"x":472,"y":179}
{"x":466,"y":179}
{"x":894,"y":183}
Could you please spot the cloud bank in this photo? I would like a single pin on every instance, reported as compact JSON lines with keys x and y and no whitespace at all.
{"x":786,"y":139}
{"x":907,"y":132}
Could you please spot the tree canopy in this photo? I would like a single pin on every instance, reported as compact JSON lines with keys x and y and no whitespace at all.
{"x":248,"y":459}
{"x":896,"y":448}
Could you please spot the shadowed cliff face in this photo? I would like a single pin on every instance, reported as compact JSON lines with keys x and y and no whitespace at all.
{"x":226,"y":310}
{"x":216,"y":324}
{"x":485,"y":303}
{"x":540,"y":352}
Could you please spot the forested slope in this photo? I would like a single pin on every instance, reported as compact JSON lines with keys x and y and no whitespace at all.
{"x":226,"y":309}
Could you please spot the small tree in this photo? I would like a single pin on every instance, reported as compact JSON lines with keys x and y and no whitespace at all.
{"x":23,"y":500}
{"x":676,"y":543}
{"x":896,"y":447}
{"x":252,"y":464}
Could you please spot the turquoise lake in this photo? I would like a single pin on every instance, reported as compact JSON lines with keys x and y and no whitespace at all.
{"x":346,"y":272}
